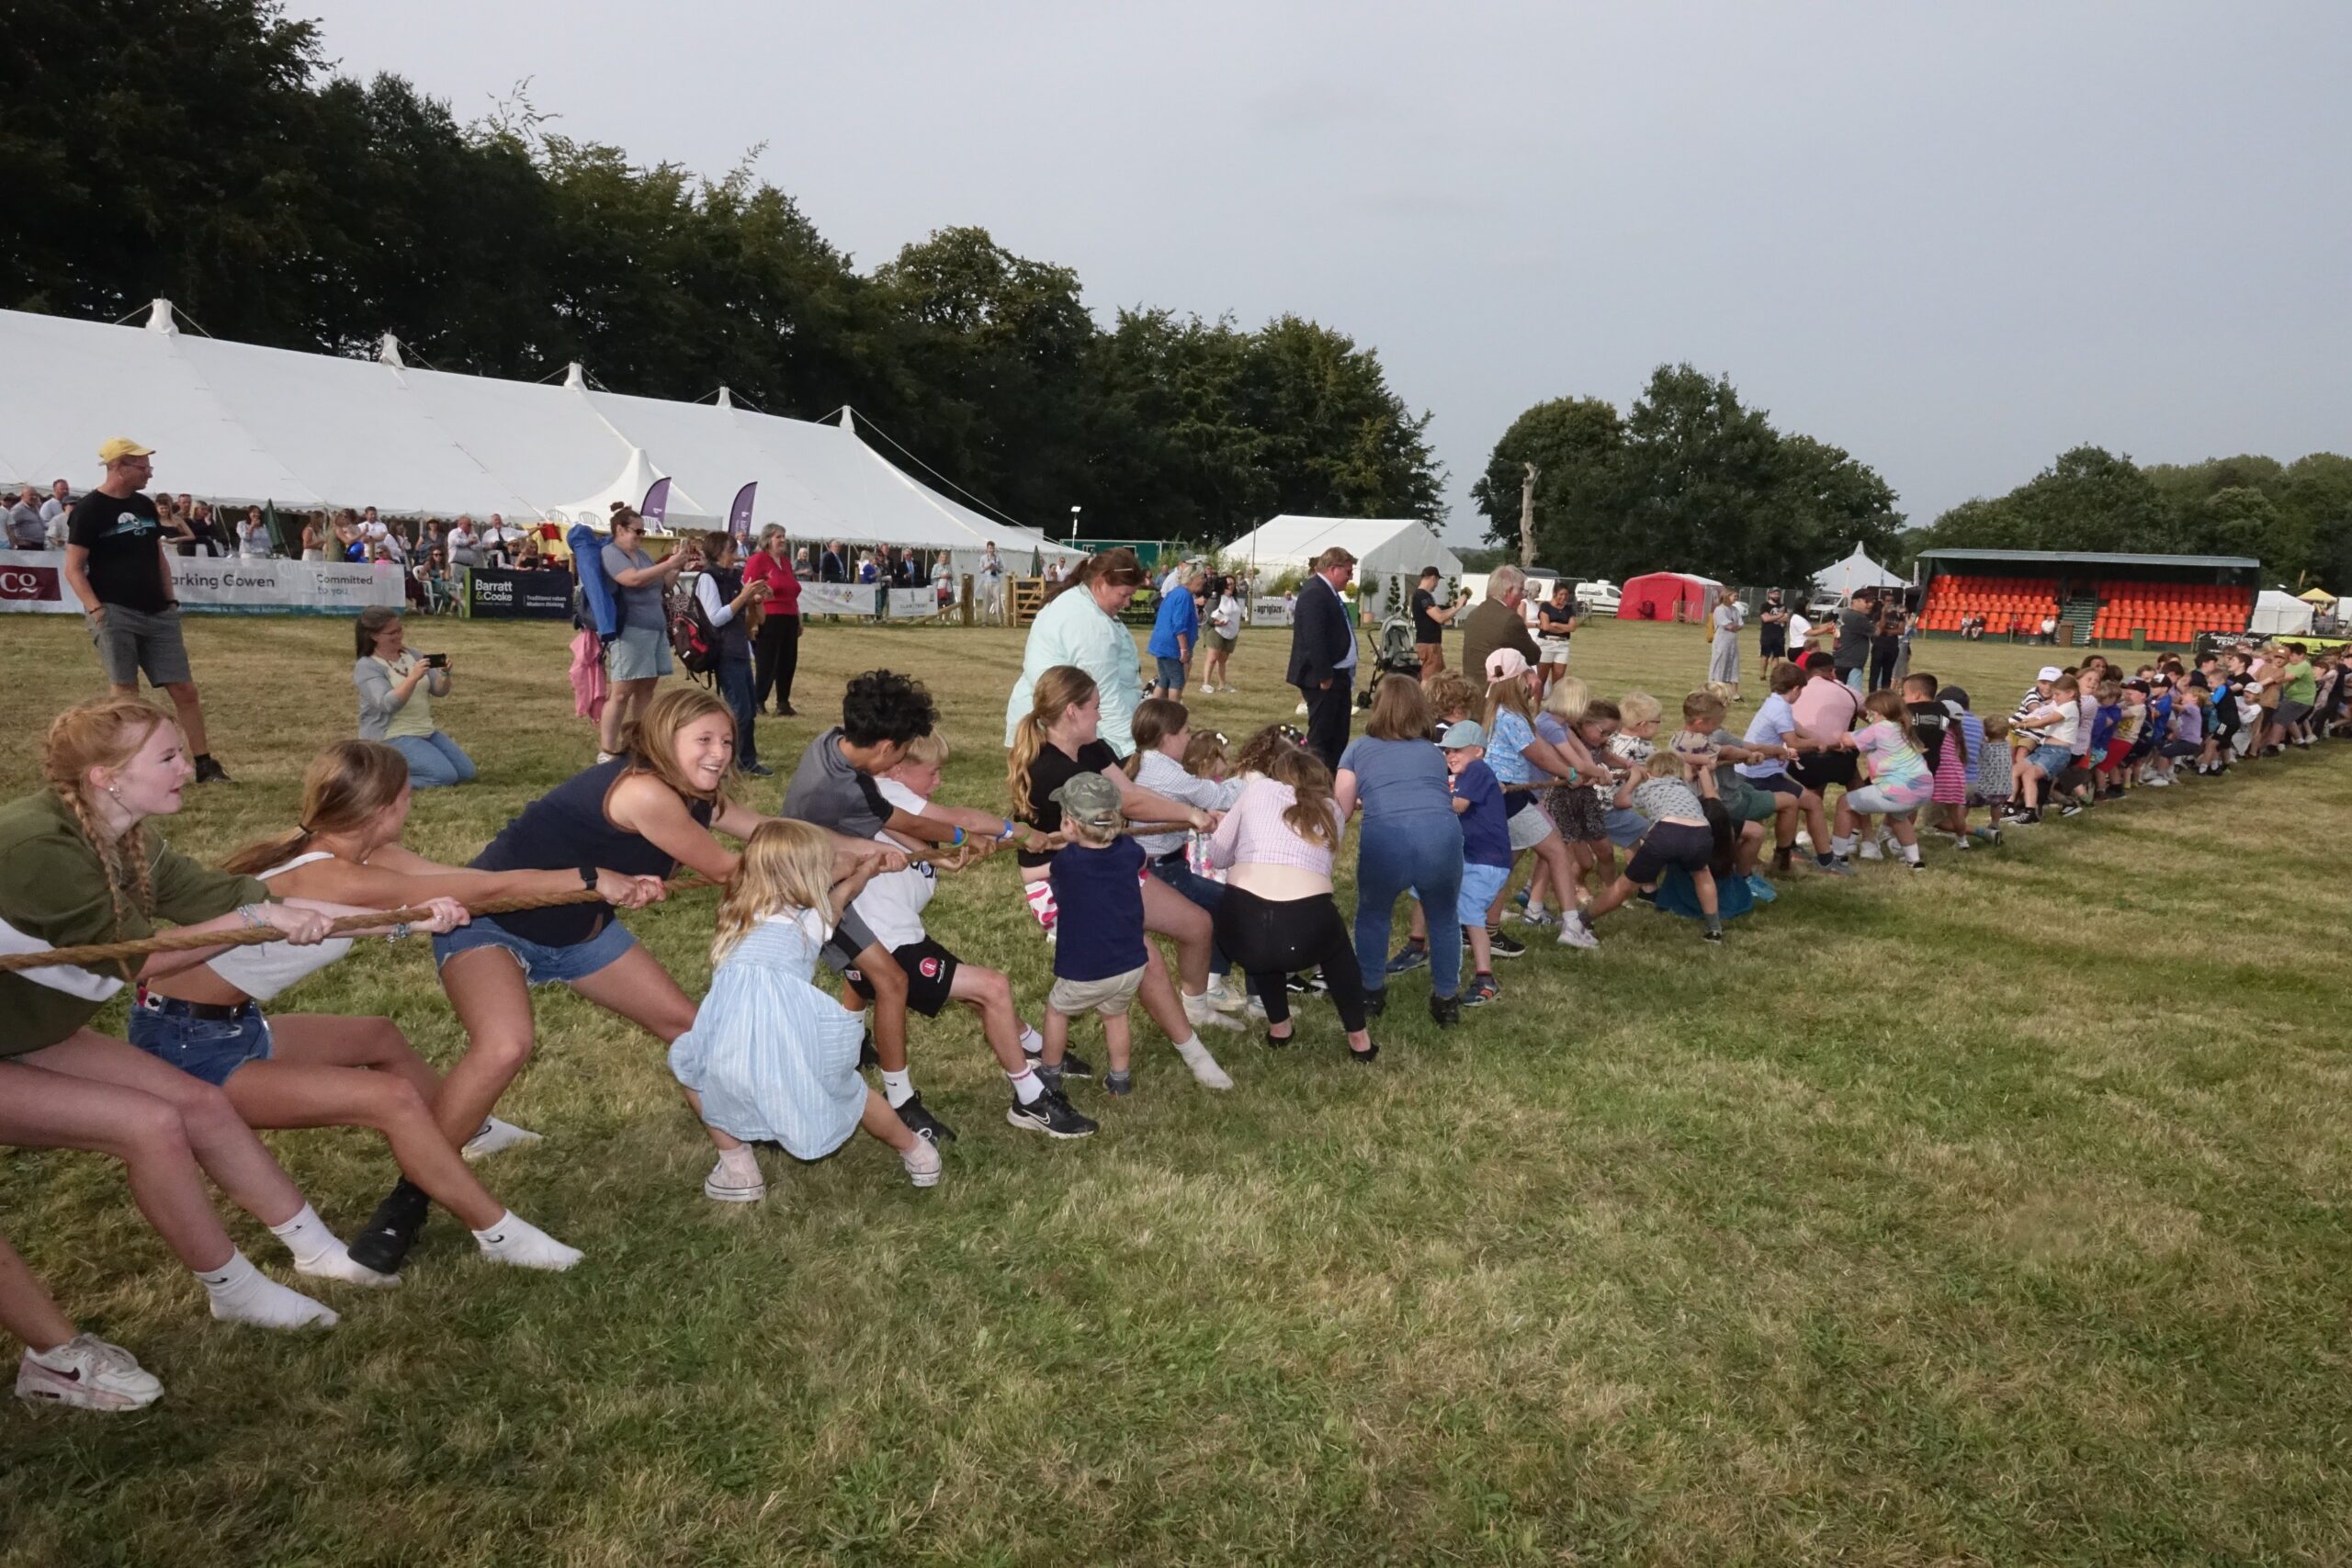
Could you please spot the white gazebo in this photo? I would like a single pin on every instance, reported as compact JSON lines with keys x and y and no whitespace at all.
{"x":1856,"y":570}
{"x":1390,"y":552}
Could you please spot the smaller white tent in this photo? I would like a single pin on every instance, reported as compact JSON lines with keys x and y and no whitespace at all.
{"x":1390,"y":552}
{"x":2277,"y":613}
{"x":1856,"y":570}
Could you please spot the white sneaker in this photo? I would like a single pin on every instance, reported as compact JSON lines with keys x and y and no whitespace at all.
{"x":496,"y":1137}
{"x":1301,"y":708}
{"x":1574,"y":932}
{"x":1224,"y":995}
{"x":923,"y":1162}
{"x":89,"y":1373}
{"x":720,"y":1187}
{"x":1201,"y":1013}
{"x":1870,"y":851}
{"x":1256,"y":1009}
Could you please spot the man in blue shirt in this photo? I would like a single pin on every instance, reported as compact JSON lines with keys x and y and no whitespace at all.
{"x":1175,"y":633}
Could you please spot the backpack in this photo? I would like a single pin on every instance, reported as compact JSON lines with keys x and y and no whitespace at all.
{"x":693,"y":639}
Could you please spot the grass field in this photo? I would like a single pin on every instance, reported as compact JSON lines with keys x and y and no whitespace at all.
{"x":1997,"y":1214}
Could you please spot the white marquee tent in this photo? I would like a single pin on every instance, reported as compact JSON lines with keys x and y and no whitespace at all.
{"x":1856,"y":570}
{"x":2277,"y":613}
{"x":1390,"y":551}
{"x":241,"y":425}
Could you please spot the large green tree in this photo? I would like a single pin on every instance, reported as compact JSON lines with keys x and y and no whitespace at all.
{"x":216,"y":161}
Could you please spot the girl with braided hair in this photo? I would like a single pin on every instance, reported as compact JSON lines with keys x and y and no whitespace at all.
{"x":77,"y":865}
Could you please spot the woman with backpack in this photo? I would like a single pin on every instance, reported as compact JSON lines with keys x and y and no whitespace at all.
{"x":639,"y":656}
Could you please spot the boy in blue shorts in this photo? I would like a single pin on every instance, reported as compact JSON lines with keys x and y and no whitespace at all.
{"x":1486,"y":848}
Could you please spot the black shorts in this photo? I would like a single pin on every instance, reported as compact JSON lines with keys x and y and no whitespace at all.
{"x":931,"y":972}
{"x":851,"y":936}
{"x":1690,"y":845}
{"x":1777,"y":783}
{"x":1774,"y":646}
{"x":1818,"y":769}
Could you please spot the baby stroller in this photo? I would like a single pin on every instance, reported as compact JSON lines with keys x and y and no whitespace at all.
{"x":1393,"y":654}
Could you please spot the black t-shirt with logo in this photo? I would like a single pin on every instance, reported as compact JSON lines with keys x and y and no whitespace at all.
{"x":121,"y":532}
{"x":1053,"y":769}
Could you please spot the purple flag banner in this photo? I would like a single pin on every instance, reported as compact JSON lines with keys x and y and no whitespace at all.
{"x":657,"y":503}
{"x":738,"y":516}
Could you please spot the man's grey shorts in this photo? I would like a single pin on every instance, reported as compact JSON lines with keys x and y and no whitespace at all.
{"x":130,"y":640}
{"x":1110,"y":995}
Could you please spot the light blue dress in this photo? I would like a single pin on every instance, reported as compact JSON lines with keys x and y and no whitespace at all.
{"x":774,"y":1058}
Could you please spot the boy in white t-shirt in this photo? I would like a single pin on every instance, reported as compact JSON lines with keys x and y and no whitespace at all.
{"x":892,"y":904}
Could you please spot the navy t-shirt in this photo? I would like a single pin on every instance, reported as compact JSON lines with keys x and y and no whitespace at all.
{"x":1485,"y":835}
{"x":1099,"y":931}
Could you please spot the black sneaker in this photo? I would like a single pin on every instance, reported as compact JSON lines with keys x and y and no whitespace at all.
{"x":2031,"y":818}
{"x":1051,"y":1114}
{"x":1118,"y":1083}
{"x":210,"y":771}
{"x":1310,"y":984}
{"x":1504,"y":946}
{"x":2071,"y":808}
{"x":392,"y":1229}
{"x":1481,"y":991}
{"x":756,"y":771}
{"x":1411,"y":957}
{"x":1073,"y":1065}
{"x":1714,"y":936}
{"x":1445,"y":1011}
{"x":922,"y":1123}
{"x":1375,"y":1003}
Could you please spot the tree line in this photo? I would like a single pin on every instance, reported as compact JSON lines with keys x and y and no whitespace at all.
{"x":2296,"y":518}
{"x":204,"y":150}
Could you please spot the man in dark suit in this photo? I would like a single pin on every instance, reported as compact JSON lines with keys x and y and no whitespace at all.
{"x":1323,"y":654}
{"x":833,"y":565}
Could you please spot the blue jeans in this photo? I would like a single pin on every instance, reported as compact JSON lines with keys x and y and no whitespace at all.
{"x":1204,"y":891}
{"x":1421,"y":854}
{"x":735,"y":690}
{"x":433,"y":760}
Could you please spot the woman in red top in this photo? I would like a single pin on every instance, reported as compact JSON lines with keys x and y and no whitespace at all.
{"x":775,"y":648}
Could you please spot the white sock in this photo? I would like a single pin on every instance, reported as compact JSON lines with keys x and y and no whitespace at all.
{"x":1205,"y":1072}
{"x":318,"y":1252}
{"x":242,"y":1293}
{"x":1841,"y":846}
{"x":1911,"y":853}
{"x":897,"y":1088}
{"x":1026,"y":1085}
{"x":525,"y":1246}
{"x":1032,"y":1042}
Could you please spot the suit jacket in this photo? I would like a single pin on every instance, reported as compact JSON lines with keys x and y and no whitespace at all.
{"x":1320,"y":635}
{"x":831,"y":567}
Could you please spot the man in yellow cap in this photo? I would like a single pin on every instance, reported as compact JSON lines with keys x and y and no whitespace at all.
{"x":117,"y":565}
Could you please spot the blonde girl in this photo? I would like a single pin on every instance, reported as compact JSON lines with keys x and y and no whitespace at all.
{"x":1521,"y":757}
{"x":77,"y":865}
{"x":770,"y":1057}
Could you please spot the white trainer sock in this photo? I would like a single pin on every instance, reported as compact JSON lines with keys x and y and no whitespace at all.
{"x":525,"y":1246}
{"x":1205,"y":1072}
{"x":1911,"y":851}
{"x":495,"y":1137}
{"x":897,"y":1088}
{"x":1026,"y":1085}
{"x":318,"y":1252}
{"x":242,"y":1293}
{"x":1841,"y":846}
{"x":1032,"y":1042}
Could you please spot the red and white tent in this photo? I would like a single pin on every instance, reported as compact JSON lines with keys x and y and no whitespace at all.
{"x":1667,"y":596}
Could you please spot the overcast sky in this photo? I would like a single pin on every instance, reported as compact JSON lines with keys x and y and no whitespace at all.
{"x":1951,"y":239}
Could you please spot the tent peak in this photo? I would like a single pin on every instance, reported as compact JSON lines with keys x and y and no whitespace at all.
{"x":388,"y":349}
{"x":849,"y":421}
{"x":575,"y":376}
{"x":159,"y":316}
{"x":726,"y":398}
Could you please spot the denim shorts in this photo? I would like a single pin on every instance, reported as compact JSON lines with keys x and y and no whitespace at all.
{"x":208,"y":1048}
{"x":1172,"y":671}
{"x":542,"y":966}
{"x":2051,"y":759}
{"x":1479,"y":885}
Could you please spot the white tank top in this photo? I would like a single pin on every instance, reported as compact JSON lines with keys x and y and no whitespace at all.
{"x":266,"y":968}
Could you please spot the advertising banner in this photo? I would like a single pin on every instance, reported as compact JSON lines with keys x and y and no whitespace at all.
{"x":657,"y":503}
{"x":838,"y":599}
{"x":32,"y":581}
{"x":495,"y":594}
{"x":912,"y":604}
{"x":738,"y":516}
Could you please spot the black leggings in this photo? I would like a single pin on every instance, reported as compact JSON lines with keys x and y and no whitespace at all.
{"x":1269,"y":938}
{"x":776,"y":650}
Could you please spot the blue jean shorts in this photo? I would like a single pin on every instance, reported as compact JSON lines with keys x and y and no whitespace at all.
{"x":542,"y":966}
{"x":1172,"y":671}
{"x":1479,"y":885}
{"x":2051,"y":759}
{"x":208,"y":1048}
